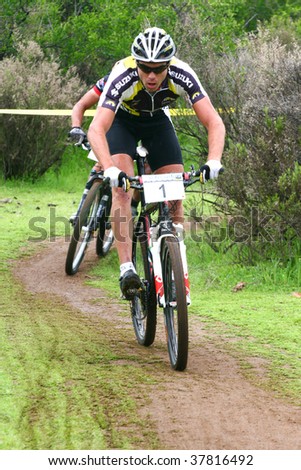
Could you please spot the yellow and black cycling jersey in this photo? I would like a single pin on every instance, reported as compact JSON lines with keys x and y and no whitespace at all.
{"x":125,"y":90}
{"x":100,"y":84}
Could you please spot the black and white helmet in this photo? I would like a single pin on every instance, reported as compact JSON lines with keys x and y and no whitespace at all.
{"x":153,"y":45}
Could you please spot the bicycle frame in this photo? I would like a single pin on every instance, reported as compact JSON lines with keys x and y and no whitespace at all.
{"x":159,"y":257}
{"x":155,"y":234}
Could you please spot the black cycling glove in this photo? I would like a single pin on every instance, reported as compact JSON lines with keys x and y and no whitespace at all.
{"x":77,"y":135}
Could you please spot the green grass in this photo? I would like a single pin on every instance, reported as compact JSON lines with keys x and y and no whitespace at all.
{"x":63,"y":384}
{"x":261,"y":320}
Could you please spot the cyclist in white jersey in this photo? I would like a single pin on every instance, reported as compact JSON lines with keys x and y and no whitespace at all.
{"x":130,"y":110}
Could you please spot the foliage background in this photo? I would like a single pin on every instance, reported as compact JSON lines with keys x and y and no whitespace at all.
{"x":246,"y":53}
{"x":93,"y":35}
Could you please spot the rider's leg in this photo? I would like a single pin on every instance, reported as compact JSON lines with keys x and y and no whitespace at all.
{"x":121,"y":211}
{"x":136,"y":194}
{"x":165,"y":156}
{"x":122,"y":224}
{"x":176,"y":207}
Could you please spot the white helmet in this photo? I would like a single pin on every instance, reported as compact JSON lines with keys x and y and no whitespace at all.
{"x":153,"y":45}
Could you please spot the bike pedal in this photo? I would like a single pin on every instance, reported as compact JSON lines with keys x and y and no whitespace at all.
{"x":132,"y":293}
{"x":73,"y":219}
{"x":135,"y":291}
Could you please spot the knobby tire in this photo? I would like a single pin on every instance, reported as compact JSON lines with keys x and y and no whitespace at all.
{"x":144,"y":306}
{"x":175,"y":312}
{"x":83,"y":230}
{"x":105,"y":237}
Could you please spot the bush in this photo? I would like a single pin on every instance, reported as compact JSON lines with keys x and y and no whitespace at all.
{"x":266,"y":125}
{"x":257,"y":90}
{"x":32,"y":144}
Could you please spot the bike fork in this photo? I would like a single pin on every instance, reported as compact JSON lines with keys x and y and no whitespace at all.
{"x":102,"y":207}
{"x":157,"y":267}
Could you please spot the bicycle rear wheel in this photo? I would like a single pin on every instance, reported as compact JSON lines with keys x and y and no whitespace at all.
{"x":83,"y":230}
{"x":105,"y":237}
{"x":175,"y":311}
{"x":144,"y":306}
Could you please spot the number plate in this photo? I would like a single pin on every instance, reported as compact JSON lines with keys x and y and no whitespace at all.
{"x":165,"y":187}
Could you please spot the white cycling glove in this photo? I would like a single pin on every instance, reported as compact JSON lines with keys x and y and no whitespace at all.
{"x":113,"y":173}
{"x":214,"y":166}
{"x":117,"y":178}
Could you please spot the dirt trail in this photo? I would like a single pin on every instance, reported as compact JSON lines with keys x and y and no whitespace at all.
{"x":209,"y":406}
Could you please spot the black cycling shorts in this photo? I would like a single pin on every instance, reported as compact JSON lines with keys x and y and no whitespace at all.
{"x":156,"y":134}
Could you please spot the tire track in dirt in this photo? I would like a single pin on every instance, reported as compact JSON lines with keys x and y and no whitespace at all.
{"x":209,"y":406}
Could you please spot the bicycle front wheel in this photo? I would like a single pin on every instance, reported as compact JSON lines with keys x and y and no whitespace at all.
{"x":144,"y":305}
{"x":175,"y":311}
{"x":83,"y":230}
{"x":105,"y":236}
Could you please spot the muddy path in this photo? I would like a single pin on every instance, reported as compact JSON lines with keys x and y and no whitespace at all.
{"x":212,"y":405}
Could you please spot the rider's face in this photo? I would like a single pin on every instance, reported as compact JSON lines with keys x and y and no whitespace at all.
{"x":152,"y":75}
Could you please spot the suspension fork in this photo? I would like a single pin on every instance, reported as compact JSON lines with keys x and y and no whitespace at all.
{"x":158,"y":233}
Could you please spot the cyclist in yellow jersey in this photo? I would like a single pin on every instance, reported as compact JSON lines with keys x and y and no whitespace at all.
{"x":130,"y":109}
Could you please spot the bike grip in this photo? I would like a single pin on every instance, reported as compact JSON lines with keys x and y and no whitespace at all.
{"x":204,"y":169}
{"x":86,"y":144}
{"x":123,"y":181}
{"x":106,"y":181}
{"x":126,"y":185}
{"x":78,"y":138}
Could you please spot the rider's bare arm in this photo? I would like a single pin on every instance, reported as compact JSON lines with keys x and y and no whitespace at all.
{"x":100,"y":125}
{"x":86,"y":102}
{"x":210,"y":118}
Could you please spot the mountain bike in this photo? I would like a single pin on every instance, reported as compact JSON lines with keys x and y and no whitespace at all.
{"x":92,"y":221}
{"x":159,"y":256}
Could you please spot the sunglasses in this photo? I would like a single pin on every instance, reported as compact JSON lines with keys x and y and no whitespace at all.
{"x":155,"y":70}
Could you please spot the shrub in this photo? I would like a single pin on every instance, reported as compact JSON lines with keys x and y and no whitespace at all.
{"x":257,"y":89}
{"x":266,"y":123}
{"x":31,"y":144}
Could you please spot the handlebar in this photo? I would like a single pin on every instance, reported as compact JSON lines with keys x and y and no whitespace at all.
{"x":202,"y":175}
{"x":136,"y":182}
{"x":84,"y":143}
{"x":189,"y":177}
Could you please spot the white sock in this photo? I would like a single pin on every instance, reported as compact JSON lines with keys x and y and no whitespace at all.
{"x":126,"y":267}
